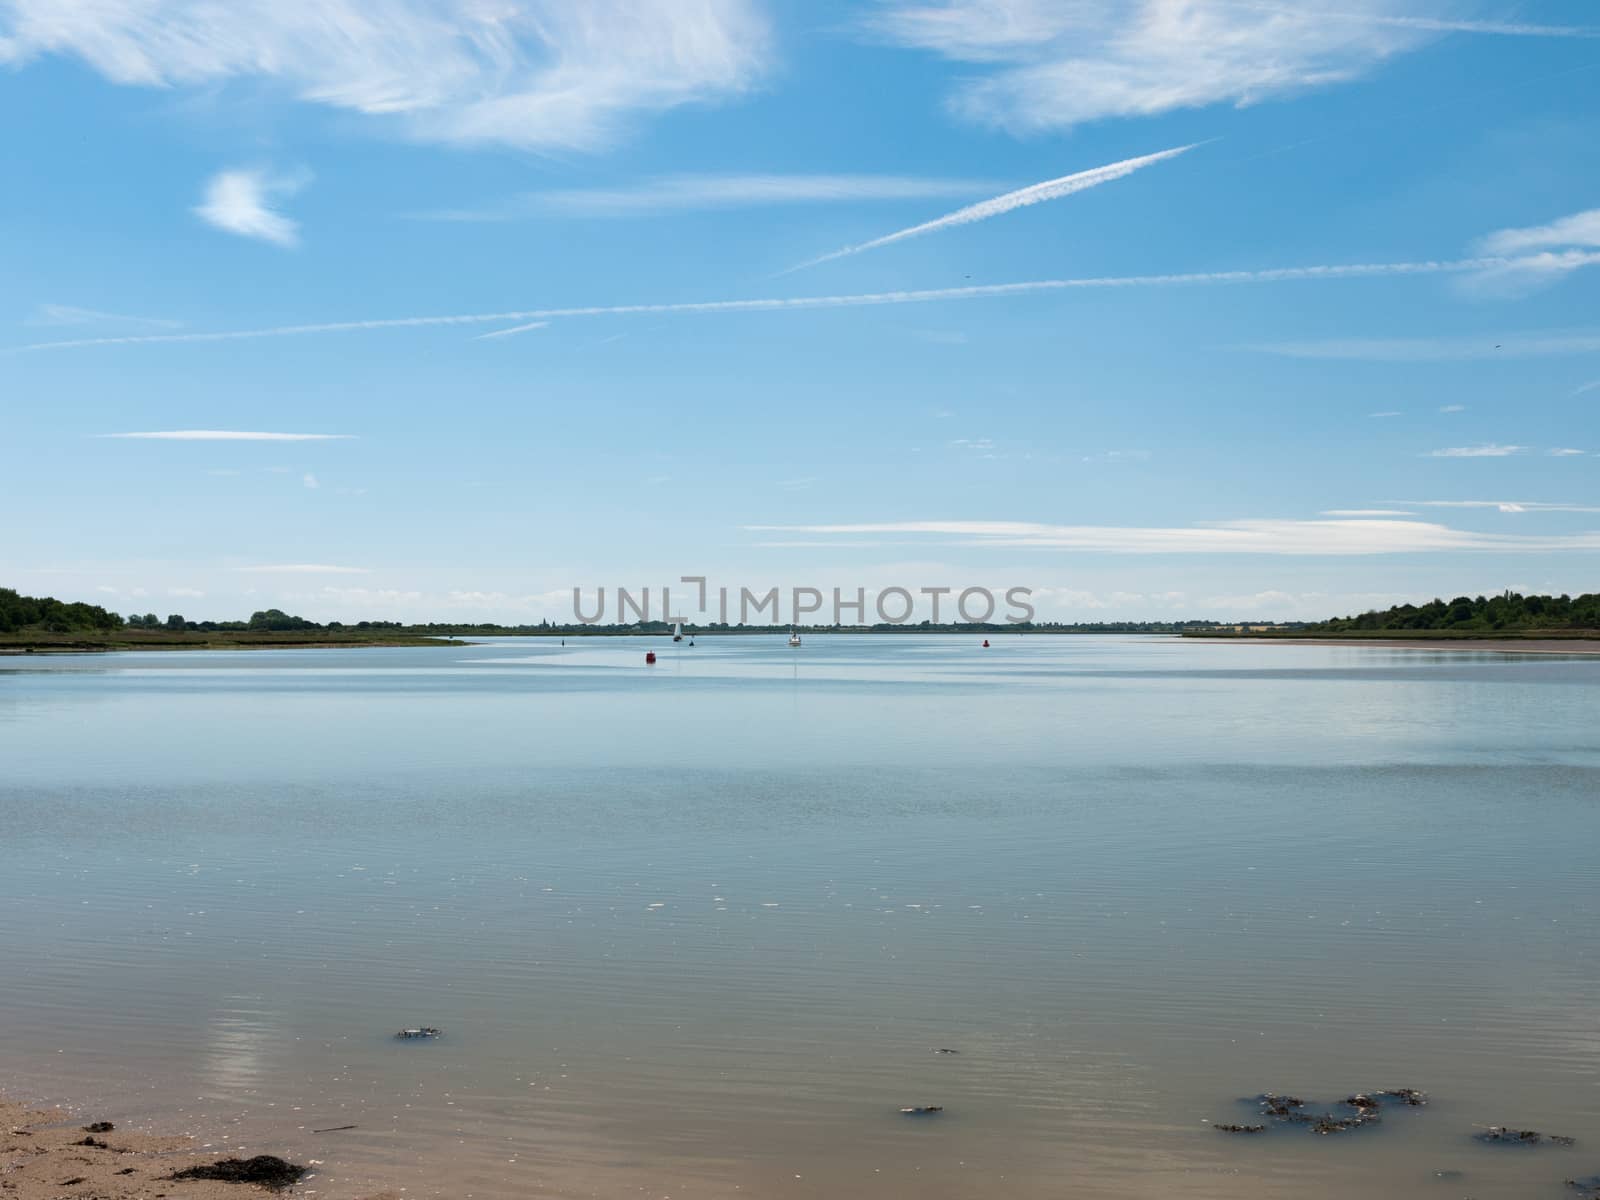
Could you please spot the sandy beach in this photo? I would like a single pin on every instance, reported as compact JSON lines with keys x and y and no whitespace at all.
{"x":52,"y":1154}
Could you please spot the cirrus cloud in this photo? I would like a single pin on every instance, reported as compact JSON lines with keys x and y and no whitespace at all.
{"x":1250,"y":536}
{"x":539,"y":74}
{"x":1050,"y":65}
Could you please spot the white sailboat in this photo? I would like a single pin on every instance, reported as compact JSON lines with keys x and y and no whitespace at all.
{"x":677,"y":632}
{"x":794,"y":637}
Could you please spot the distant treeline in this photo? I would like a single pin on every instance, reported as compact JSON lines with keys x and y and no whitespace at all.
{"x":1505,"y":613}
{"x":18,"y":612}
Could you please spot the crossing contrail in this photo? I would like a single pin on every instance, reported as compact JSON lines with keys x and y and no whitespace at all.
{"x":805,"y":303}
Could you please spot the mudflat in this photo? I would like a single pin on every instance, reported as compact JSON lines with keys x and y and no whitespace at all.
{"x":51,"y":1154}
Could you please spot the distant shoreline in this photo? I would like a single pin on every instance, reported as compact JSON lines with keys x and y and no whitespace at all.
{"x":29,"y":643}
{"x":77,"y":644}
{"x":1588,"y":643}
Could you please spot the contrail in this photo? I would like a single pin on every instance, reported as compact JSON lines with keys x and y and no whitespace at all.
{"x":1038,"y":193}
{"x":499,"y":333}
{"x":803,"y":303}
{"x":229,"y":435}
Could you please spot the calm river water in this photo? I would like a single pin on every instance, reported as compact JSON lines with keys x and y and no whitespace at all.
{"x":697,"y":930}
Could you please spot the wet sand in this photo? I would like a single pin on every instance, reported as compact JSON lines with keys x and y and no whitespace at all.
{"x":43,"y":1156}
{"x":1480,"y":645}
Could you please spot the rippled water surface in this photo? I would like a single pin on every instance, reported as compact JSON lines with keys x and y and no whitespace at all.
{"x":698,"y":929}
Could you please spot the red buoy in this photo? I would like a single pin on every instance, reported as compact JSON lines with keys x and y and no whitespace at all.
{"x":985,"y":643}
{"x":649,"y":658}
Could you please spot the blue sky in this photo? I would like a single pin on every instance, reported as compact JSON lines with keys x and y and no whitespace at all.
{"x":1332,"y":355}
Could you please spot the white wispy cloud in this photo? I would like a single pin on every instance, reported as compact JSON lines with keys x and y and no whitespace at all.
{"x":1523,"y":345}
{"x":1592,"y":385}
{"x":1564,"y":452}
{"x":68,"y":314}
{"x":1543,"y":254}
{"x":804,"y":303}
{"x":500,"y":333}
{"x":301,"y":569}
{"x":1580,"y":229}
{"x":240,"y":202}
{"x":1452,"y":408}
{"x":1392,"y":412}
{"x":229,"y":435}
{"x":1487,"y":450}
{"x":1044,"y":64}
{"x":1255,"y":536}
{"x":539,"y":74}
{"x":309,"y":480}
{"x":682,"y":193}
{"x":1038,"y":193}
{"x":1366,"y":512}
{"x":1508,"y":506}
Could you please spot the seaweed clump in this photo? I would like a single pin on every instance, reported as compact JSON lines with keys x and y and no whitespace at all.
{"x":1407,"y":1096}
{"x":99,"y":1127}
{"x":1504,"y":1135}
{"x":265,"y":1170}
{"x":1353,"y":1112}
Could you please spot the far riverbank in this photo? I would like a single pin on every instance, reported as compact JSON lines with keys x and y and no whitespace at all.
{"x":1585,"y":644}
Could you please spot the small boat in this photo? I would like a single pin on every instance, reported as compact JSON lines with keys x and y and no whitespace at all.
{"x":677,"y":632}
{"x":423,"y":1031}
{"x":794,"y":637}
{"x":923,"y":1110}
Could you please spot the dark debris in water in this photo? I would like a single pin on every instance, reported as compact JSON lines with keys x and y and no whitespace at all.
{"x":421,"y":1031}
{"x":265,"y":1170}
{"x":922,"y":1110}
{"x":1353,"y":1112}
{"x":1504,"y":1135}
{"x":99,"y":1127}
{"x":1328,"y":1123}
{"x":1284,"y":1108}
{"x":1407,"y":1096}
{"x":96,"y":1143}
